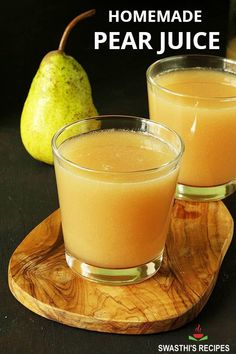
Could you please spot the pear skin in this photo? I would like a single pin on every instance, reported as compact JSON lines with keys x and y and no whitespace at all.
{"x":59,"y":94}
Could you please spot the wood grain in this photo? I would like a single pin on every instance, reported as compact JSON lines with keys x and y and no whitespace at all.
{"x":199,"y":237}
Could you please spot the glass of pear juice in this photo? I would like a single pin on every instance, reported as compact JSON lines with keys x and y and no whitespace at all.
{"x":196,"y":96}
{"x":116,"y":179}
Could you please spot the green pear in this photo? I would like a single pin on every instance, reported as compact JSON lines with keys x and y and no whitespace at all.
{"x":59,"y":94}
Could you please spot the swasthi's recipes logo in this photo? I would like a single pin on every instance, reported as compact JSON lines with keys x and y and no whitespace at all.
{"x":198,"y":336}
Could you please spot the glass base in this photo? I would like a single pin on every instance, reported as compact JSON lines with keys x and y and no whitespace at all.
{"x":111,"y":276}
{"x":205,"y":194}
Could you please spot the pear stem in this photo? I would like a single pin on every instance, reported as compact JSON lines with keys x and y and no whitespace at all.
{"x":69,"y":27}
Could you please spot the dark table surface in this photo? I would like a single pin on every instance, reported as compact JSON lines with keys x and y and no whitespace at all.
{"x":28,"y":195}
{"x":28,"y":189}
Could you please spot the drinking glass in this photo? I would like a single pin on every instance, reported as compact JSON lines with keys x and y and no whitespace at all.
{"x":196,"y":96}
{"x":116,"y":179}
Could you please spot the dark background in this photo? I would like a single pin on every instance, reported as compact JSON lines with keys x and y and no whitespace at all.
{"x":30,"y":29}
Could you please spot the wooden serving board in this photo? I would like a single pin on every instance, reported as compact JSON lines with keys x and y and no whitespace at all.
{"x":197,"y":243}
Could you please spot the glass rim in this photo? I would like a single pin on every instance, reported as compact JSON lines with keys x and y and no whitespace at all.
{"x":57,"y":153}
{"x":150,"y":80}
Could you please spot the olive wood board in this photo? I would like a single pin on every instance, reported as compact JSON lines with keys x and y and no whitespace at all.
{"x":199,"y":237}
